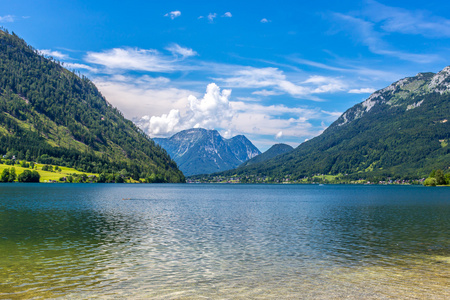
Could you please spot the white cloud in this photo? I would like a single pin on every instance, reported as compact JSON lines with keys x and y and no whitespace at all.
{"x":350,"y":67}
{"x":214,"y":110}
{"x":167,"y":123}
{"x":7,"y":19}
{"x":145,"y":95}
{"x":210,"y":112}
{"x":178,"y":50}
{"x":250,"y":77}
{"x":362,"y":91}
{"x":173,"y":14}
{"x":325,"y":84}
{"x":54,"y":54}
{"x":248,"y":99}
{"x":264,"y":20}
{"x":260,"y":120}
{"x":142,"y":59}
{"x":366,"y":33}
{"x":132,"y":59}
{"x":266,"y":93}
{"x":77,"y":66}
{"x":404,"y":21}
{"x":212,"y":16}
{"x":227,"y":15}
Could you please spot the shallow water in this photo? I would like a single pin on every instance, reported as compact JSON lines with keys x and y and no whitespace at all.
{"x":224,"y":241}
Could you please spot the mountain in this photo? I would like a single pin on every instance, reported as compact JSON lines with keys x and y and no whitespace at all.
{"x":273,"y":151}
{"x":50,"y":115}
{"x":401,"y":131}
{"x":201,"y":151}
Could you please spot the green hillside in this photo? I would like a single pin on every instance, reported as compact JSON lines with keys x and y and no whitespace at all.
{"x":50,"y":115}
{"x":272,"y":152}
{"x":401,"y":131}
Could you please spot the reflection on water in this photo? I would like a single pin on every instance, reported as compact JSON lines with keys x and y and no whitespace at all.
{"x":223,"y":241}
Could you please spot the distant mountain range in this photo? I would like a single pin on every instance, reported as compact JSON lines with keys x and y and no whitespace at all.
{"x":50,"y":115}
{"x":201,"y":151}
{"x":401,"y":131}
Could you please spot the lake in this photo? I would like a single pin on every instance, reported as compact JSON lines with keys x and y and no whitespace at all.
{"x":169,"y":241}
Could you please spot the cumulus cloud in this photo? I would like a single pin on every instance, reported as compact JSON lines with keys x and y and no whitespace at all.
{"x":227,"y":15}
{"x":264,"y":20}
{"x":167,"y":123}
{"x":362,"y":91}
{"x":54,"y":54}
{"x":178,"y":50}
{"x":212,"y":16}
{"x":7,"y":19}
{"x":215,"y":111}
{"x":173,"y":14}
{"x":211,"y":111}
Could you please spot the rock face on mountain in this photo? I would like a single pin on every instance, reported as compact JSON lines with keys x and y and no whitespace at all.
{"x":401,"y":131}
{"x":50,"y":115}
{"x":272,"y":152}
{"x":201,"y":151}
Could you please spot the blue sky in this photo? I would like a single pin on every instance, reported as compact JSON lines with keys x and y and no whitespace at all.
{"x":275,"y":71}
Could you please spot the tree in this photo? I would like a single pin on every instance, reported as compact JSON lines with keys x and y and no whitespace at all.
{"x":29,"y":176}
{"x":28,"y":155}
{"x":12,"y":174}
{"x":101,"y":178}
{"x":5,"y":175}
{"x":430,"y":181}
{"x":440,"y":179}
{"x":447,"y":178}
{"x":432,"y":174}
{"x":119,"y":179}
{"x":47,"y":168}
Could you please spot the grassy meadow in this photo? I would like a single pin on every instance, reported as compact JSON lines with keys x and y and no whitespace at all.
{"x":46,"y":176}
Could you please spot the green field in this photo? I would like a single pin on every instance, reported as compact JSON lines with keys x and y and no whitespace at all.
{"x":46,"y":176}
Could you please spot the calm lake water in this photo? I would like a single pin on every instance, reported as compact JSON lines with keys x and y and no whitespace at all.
{"x":224,"y":241}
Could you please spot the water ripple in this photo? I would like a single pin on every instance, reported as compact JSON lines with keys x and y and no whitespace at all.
{"x":221,"y":241}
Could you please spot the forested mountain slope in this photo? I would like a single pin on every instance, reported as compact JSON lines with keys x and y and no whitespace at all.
{"x":201,"y":151}
{"x":272,"y":152}
{"x":50,"y":114}
{"x":401,"y":131}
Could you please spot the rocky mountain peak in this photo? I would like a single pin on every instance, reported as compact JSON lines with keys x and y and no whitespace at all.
{"x":201,"y":151}
{"x":441,"y":81}
{"x":407,"y":93}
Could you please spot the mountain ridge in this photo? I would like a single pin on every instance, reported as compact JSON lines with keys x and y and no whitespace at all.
{"x":201,"y":151}
{"x":275,"y":150}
